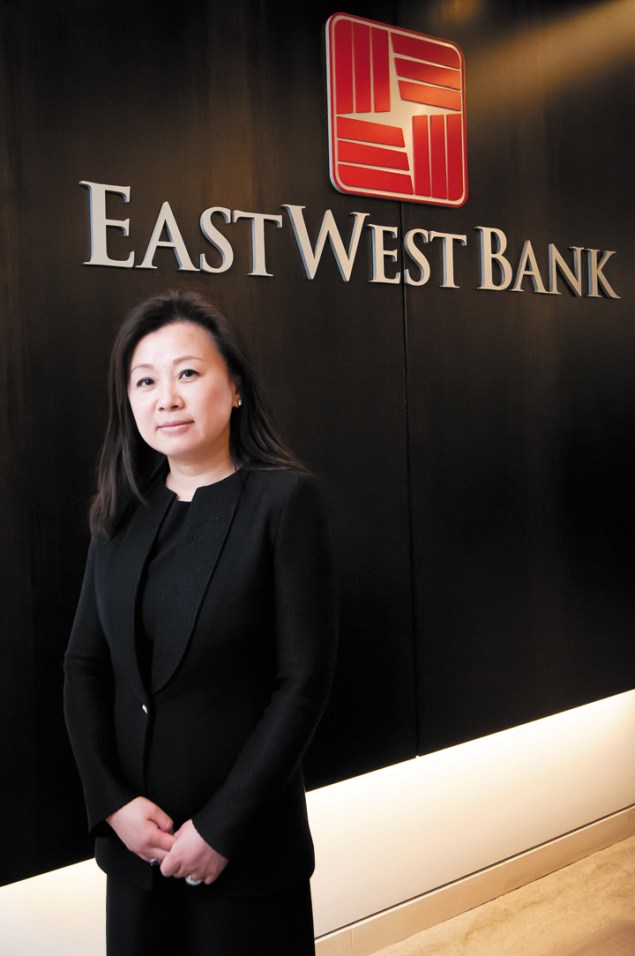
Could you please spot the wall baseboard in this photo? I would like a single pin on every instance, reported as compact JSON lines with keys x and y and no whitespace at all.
{"x":390,"y":926}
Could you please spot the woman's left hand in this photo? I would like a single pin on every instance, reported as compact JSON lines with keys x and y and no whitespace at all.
{"x":192,"y":856}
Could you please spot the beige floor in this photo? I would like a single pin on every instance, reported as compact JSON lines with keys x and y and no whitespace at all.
{"x":586,"y":909}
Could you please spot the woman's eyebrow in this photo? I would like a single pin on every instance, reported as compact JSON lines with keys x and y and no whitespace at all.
{"x":187,"y":358}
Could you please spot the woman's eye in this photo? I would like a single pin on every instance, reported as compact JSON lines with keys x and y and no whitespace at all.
{"x":144,"y":382}
{"x":188,"y":373}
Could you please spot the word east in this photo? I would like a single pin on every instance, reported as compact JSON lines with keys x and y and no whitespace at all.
{"x":580,"y":270}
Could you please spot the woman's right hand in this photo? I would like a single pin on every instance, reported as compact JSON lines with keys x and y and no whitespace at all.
{"x":144,"y":829}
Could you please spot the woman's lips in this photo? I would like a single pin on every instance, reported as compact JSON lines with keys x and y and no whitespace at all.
{"x":173,"y":426}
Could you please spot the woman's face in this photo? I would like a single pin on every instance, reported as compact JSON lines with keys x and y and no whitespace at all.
{"x":181,"y":394}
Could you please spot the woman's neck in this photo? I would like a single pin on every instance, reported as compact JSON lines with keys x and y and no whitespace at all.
{"x":184,"y":480}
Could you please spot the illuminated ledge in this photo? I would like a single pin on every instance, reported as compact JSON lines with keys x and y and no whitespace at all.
{"x":389,"y":927}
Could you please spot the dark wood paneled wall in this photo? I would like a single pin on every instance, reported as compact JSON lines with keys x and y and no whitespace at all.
{"x":476,"y":446}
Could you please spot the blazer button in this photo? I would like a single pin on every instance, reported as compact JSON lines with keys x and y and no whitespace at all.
{"x":144,"y":708}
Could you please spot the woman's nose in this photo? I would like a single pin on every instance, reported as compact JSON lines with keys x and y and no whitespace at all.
{"x":169,"y":398}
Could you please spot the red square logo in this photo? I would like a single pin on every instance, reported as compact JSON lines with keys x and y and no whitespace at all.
{"x":396,"y":113}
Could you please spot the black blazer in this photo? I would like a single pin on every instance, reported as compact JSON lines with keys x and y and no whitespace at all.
{"x":242,"y":666}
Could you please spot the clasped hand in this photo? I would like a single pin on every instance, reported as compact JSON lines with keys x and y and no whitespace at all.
{"x":147,"y":831}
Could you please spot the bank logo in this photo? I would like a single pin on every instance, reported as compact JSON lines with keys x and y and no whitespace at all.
{"x":396,"y":113}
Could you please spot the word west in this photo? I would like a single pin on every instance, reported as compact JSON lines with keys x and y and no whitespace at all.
{"x":581,"y":272}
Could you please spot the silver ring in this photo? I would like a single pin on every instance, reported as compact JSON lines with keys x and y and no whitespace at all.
{"x":155,"y":862}
{"x":192,"y":882}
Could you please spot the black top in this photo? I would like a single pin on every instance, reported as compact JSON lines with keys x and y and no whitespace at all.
{"x":158,"y":575}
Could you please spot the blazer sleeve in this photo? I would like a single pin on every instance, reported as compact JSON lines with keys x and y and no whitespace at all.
{"x":306,"y":638}
{"x":88,"y":707}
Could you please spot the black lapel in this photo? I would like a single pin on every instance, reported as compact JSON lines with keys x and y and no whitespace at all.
{"x":206,"y":526}
{"x":129,"y":559}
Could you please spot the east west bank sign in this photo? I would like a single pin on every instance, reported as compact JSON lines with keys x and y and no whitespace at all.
{"x":397,"y":130}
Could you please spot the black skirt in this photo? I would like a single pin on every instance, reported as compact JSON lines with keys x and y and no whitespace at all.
{"x":203,"y":921}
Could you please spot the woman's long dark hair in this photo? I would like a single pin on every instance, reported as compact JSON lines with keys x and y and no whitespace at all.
{"x":127,"y":466}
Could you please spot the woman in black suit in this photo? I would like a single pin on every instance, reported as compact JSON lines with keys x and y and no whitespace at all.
{"x":202,"y":650}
